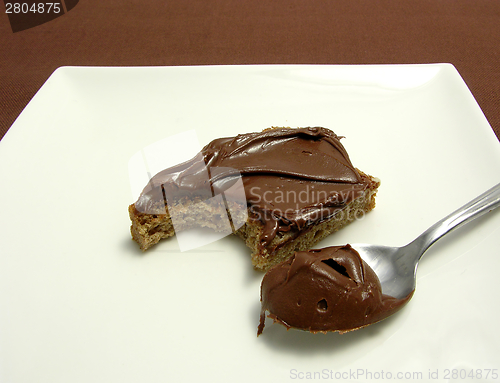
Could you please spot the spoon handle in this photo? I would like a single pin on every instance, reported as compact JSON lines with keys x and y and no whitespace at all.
{"x":486,"y":202}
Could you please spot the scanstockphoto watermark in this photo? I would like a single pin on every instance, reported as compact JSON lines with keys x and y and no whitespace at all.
{"x":364,"y":374}
{"x":361,"y":374}
{"x":314,"y":205}
{"x":206,"y":216}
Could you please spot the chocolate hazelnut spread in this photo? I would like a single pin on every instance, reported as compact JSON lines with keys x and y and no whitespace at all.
{"x":292,"y":178}
{"x":330,"y":289}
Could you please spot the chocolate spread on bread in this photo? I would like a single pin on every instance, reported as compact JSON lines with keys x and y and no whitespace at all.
{"x":292,"y":177}
{"x":330,"y":289}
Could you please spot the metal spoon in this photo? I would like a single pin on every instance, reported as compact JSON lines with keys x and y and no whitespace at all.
{"x":396,"y":267}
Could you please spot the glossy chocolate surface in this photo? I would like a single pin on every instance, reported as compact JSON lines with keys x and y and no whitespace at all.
{"x":330,"y":289}
{"x":292,"y":177}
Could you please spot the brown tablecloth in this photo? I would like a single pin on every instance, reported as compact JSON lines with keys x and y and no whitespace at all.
{"x":465,"y":33}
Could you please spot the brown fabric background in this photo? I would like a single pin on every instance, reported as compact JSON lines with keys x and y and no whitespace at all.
{"x":465,"y":33}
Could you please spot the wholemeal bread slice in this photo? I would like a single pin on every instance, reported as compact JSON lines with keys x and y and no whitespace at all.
{"x":300,"y":187}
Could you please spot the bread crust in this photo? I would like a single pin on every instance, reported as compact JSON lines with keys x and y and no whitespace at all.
{"x":149,"y":229}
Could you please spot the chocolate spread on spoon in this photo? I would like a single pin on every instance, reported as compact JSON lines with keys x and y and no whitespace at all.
{"x":330,"y":289}
{"x":292,"y":177}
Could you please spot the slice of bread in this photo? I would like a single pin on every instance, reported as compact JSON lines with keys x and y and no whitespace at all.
{"x":285,"y":244}
{"x":276,"y":235}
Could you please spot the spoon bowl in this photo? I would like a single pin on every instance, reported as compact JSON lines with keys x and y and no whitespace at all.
{"x":396,"y":267}
{"x":302,"y":299}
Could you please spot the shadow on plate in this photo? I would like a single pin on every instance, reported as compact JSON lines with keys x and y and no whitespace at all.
{"x":237,"y":245}
{"x":231,"y":244}
{"x":130,"y":247}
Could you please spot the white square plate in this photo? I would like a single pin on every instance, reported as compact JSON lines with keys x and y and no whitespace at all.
{"x":80,"y":303}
